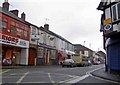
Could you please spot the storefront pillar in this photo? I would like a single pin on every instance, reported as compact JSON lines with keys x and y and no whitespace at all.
{"x":24,"y":57}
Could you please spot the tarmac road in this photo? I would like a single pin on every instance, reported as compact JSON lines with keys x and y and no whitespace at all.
{"x":50,"y":75}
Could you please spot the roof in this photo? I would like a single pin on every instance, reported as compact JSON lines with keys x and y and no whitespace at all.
{"x":50,"y":32}
{"x":105,"y":4}
{"x":81,"y":47}
{"x":102,"y":5}
{"x":10,"y":14}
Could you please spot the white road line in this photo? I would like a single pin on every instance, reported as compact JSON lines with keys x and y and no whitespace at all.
{"x":50,"y":78}
{"x":89,"y":73}
{"x":75,"y":79}
{"x":22,"y":77}
{"x":5,"y":71}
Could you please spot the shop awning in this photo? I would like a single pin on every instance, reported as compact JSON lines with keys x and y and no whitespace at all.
{"x":62,"y":55}
{"x":69,"y":52}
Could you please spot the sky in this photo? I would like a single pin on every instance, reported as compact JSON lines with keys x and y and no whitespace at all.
{"x":78,"y":21}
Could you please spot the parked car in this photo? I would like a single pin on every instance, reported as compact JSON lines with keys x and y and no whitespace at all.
{"x":68,"y":63}
{"x":96,"y":62}
{"x":84,"y":64}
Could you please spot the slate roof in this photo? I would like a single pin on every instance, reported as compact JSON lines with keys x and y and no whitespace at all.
{"x":81,"y":47}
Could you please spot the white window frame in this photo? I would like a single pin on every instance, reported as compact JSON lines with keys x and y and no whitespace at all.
{"x":116,"y":6}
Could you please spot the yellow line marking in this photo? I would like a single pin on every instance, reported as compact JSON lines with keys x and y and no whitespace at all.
{"x":22,"y":77}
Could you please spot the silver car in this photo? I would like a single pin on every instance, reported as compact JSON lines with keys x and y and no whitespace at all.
{"x":68,"y":63}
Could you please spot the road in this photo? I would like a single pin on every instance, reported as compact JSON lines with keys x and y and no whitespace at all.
{"x":51,"y":74}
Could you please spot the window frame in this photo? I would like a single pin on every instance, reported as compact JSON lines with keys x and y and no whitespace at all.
{"x":3,"y":21}
{"x":117,"y":12}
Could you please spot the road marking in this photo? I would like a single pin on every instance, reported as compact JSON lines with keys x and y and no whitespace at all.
{"x":5,"y":71}
{"x":22,"y":77}
{"x":89,"y":73}
{"x":75,"y":79}
{"x":50,"y":78}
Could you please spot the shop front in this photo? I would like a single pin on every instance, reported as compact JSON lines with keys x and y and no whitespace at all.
{"x":46,"y":55}
{"x":14,"y":50}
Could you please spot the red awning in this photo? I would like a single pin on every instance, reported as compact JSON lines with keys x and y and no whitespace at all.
{"x":62,"y":55}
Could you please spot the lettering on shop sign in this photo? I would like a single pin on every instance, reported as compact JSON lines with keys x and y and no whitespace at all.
{"x":9,"y":39}
{"x":23,"y":43}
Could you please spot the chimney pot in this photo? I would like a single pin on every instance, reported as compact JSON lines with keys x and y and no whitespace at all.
{"x":23,"y":16}
{"x":5,"y":5}
{"x":15,"y":12}
{"x":46,"y":27}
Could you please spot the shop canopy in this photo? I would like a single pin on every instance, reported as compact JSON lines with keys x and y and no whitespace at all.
{"x":68,"y":52}
{"x":62,"y":55}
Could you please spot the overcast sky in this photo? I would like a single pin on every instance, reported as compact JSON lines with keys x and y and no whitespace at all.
{"x":75,"y":20}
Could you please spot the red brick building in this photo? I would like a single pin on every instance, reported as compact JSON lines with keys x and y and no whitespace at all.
{"x":14,"y":36}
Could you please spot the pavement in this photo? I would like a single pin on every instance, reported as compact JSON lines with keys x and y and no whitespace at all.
{"x":101,"y":73}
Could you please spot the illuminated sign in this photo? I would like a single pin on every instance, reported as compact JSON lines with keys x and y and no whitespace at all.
{"x":9,"y":40}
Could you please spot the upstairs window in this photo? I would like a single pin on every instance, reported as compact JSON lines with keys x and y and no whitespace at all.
{"x":118,"y":7}
{"x":114,"y":13}
{"x":4,"y":24}
{"x":12,"y":28}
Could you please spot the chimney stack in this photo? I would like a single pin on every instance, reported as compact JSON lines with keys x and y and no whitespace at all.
{"x":23,"y":16}
{"x":46,"y":27}
{"x":15,"y":12}
{"x":5,"y":5}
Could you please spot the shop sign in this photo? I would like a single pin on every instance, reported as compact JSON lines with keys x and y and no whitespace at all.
{"x":35,"y":37}
{"x":107,"y":21}
{"x":9,"y":40}
{"x":108,"y":27}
